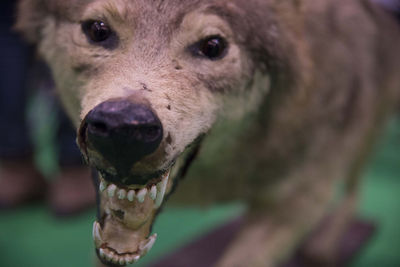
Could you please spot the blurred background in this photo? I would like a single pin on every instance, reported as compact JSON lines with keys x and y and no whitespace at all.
{"x":46,"y":220}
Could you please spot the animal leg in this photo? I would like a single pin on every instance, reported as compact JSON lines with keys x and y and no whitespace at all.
{"x":265,"y":240}
{"x":323,"y":248}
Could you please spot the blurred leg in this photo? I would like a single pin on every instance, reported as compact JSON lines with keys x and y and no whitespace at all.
{"x":72,"y":190}
{"x":19,"y":178}
{"x":14,"y":63}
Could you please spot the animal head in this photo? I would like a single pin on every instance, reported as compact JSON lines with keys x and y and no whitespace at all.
{"x":145,"y":81}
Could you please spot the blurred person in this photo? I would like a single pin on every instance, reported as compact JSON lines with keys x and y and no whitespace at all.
{"x":20,"y":179}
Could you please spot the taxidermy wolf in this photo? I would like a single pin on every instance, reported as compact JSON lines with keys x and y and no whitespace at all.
{"x":267,"y":101}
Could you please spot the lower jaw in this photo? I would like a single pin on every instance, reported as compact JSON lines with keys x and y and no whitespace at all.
{"x":110,"y":255}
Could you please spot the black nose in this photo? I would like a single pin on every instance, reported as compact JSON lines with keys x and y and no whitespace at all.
{"x":123,"y":132}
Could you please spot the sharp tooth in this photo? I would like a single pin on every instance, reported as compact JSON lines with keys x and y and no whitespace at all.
{"x":147,"y":244}
{"x":136,"y":258}
{"x":131,"y":195}
{"x":109,"y":255}
{"x":122,"y":261}
{"x":103,"y":185}
{"x":153,"y":192}
{"x":111,"y":190}
{"x":161,"y":187}
{"x":141,"y":195}
{"x":101,"y":253}
{"x":129,"y":259}
{"x":98,"y":240}
{"x":114,"y":259}
{"x":121,"y":194}
{"x":107,"y":210}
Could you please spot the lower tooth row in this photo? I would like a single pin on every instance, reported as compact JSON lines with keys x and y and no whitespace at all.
{"x":117,"y":259}
{"x":109,"y":255}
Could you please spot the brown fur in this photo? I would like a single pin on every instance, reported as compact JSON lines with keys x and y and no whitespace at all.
{"x":296,"y":105}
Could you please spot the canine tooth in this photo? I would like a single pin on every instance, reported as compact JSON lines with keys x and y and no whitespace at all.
{"x":141,"y":195}
{"x":101,"y":253}
{"x":111,"y":190}
{"x":121,"y":194}
{"x":147,"y":244}
{"x":153,"y":192}
{"x":98,"y":240}
{"x":136,"y":258}
{"x":103,"y":185}
{"x":161,"y":187}
{"x":131,"y":195}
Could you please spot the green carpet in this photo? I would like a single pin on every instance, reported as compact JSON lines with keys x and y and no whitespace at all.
{"x":380,"y":202}
{"x":31,"y":236}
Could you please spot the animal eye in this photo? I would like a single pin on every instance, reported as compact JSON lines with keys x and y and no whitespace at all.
{"x":213,"y":47}
{"x":97,"y":31}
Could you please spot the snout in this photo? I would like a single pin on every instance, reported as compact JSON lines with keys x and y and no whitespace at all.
{"x":123,"y":132}
{"x":116,"y":137}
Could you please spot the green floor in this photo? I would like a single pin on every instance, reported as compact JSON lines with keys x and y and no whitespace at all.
{"x":32,"y":237}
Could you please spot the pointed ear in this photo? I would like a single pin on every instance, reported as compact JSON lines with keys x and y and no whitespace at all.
{"x":31,"y":15}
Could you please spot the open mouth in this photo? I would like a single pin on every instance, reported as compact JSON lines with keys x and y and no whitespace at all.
{"x":122,"y":234}
{"x":122,"y":139}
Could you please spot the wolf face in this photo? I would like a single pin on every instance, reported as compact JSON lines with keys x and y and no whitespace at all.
{"x":146,"y":81}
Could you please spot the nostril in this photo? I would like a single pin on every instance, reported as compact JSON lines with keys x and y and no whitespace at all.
{"x":151,"y":133}
{"x":140,"y":133}
{"x":98,"y":128}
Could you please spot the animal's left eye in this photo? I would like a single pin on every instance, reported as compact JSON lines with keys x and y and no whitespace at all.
{"x":97,"y":31}
{"x":213,"y":47}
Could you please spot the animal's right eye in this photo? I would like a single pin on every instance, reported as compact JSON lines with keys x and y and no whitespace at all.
{"x":213,"y":47}
{"x":98,"y":32}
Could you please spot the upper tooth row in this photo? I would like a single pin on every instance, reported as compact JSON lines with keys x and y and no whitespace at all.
{"x":113,"y":190}
{"x":156,"y":192}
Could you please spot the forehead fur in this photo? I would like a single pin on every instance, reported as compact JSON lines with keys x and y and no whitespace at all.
{"x":252,"y":21}
{"x":170,"y":13}
{"x":164,"y":16}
